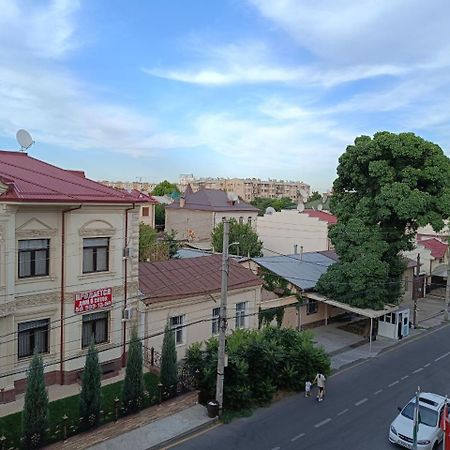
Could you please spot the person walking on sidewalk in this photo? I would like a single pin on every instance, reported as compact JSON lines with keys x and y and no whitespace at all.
{"x":308,"y":385}
{"x":320,"y":380}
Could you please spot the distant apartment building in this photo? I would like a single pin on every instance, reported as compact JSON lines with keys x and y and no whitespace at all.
{"x":68,"y":271}
{"x":141,"y":186}
{"x":247,"y":188}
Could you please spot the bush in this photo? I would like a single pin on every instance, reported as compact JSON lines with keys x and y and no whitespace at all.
{"x":169,"y":369}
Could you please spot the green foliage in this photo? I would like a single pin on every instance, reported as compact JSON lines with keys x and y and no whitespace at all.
{"x":147,"y":239}
{"x":165,"y":188}
{"x":35,"y":411}
{"x":262,"y":203}
{"x":266,"y":316}
{"x":259,"y":363}
{"x":315,"y":195}
{"x":274,"y":282}
{"x":160,"y":215}
{"x":249,"y":243}
{"x":387,"y":186}
{"x":172,"y":244}
{"x":169,"y":370}
{"x":90,"y":395}
{"x":133,"y":386}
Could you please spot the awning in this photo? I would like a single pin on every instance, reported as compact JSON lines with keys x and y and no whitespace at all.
{"x":366,"y":312}
{"x":440,"y":271}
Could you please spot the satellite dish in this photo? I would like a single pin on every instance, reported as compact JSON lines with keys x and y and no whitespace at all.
{"x":270,"y":210}
{"x":303,"y":193}
{"x":232,"y":196}
{"x":320,"y":206}
{"x":300,"y":207}
{"x":24,"y":139}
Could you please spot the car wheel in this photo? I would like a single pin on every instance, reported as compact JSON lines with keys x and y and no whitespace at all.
{"x":436,"y":445}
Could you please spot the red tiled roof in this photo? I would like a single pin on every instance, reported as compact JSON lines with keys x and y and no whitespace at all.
{"x":324,"y":216}
{"x":183,"y":278}
{"x":31,"y":180}
{"x":211,"y":200}
{"x":437,"y":247}
{"x":138,"y":195}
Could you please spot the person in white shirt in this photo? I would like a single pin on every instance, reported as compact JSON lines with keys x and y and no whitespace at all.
{"x":320,"y":380}
{"x":308,"y":385}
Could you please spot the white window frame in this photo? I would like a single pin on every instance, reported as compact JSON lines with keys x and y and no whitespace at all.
{"x":177,"y":326}
{"x":241,"y":311}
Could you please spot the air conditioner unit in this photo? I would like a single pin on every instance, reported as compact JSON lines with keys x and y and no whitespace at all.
{"x":127,"y":313}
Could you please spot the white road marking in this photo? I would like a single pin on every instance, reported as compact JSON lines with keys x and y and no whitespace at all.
{"x":378,"y":392}
{"x":276,"y":448}
{"x":394,"y":383}
{"x":317,"y":425}
{"x":418,"y":370}
{"x":364,"y":400}
{"x":297,"y":437}
{"x":343,"y":412}
{"x":404,"y":378}
{"x":427,"y":365}
{"x":442,"y":356}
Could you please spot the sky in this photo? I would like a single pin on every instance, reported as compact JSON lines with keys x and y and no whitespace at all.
{"x":147,"y":90}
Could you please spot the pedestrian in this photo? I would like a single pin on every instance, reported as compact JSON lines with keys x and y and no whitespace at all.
{"x":308,"y":385}
{"x":320,"y":380}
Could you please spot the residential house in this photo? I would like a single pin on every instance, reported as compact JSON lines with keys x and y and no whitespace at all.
{"x":185,"y":293}
{"x":66,"y":270}
{"x":290,"y":231}
{"x":195,"y":215}
{"x":147,"y":206}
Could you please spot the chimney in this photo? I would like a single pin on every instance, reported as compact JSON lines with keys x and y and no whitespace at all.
{"x":301,"y":252}
{"x":295,"y":249}
{"x":182,"y":202}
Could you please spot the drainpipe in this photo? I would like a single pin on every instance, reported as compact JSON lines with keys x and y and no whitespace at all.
{"x":63,"y":252}
{"x":125,"y":289}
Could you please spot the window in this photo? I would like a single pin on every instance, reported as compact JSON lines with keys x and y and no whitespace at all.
{"x":215,"y":324}
{"x":145,"y":211}
{"x":240,"y":315}
{"x":33,"y":257}
{"x":95,"y":328}
{"x":33,"y":337}
{"x":249,"y":220}
{"x":95,"y":255}
{"x":311,"y":307}
{"x":176,"y":325}
{"x":241,"y":220}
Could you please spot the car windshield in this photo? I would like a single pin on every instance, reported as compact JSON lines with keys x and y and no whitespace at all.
{"x":426,"y":415}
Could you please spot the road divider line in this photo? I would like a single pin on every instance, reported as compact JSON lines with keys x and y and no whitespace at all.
{"x":404,"y":378}
{"x":442,"y":356}
{"x":378,"y":392}
{"x":427,"y":365}
{"x":394,"y":383}
{"x":276,"y":448}
{"x":318,"y":425}
{"x":364,"y":400}
{"x":418,"y":370}
{"x":343,"y":412}
{"x":297,"y":437}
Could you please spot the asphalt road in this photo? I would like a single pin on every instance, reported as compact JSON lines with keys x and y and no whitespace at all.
{"x":360,"y":404}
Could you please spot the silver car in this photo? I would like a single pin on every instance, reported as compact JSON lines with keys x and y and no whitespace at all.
{"x":429,"y":435}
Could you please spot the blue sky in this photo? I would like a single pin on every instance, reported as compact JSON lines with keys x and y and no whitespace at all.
{"x":257,"y":88}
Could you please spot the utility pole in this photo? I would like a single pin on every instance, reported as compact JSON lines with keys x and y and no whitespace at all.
{"x":447,"y":286}
{"x":222,"y":316}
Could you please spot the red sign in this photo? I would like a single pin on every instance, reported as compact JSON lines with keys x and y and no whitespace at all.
{"x":91,"y":300}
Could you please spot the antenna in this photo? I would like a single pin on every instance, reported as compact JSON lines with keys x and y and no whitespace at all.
{"x":24,"y":139}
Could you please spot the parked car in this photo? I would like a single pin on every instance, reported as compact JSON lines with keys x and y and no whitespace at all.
{"x":429,"y":435}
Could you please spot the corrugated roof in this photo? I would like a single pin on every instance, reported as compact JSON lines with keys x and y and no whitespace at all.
{"x":211,"y":200}
{"x":184,"y":278}
{"x":302,"y":271}
{"x":138,"y":195}
{"x":31,"y":180}
{"x":324,"y":216}
{"x":438,"y":248}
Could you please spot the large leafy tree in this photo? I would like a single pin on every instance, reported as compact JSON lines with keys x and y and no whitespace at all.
{"x":35,"y":414}
{"x":91,"y":393}
{"x":387,"y":186}
{"x":262,"y":203}
{"x":249,"y":243}
{"x":165,"y":188}
{"x":133,"y":385}
{"x":315,"y":195}
{"x":147,"y":239}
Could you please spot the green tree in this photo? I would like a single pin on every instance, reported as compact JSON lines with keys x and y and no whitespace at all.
{"x":133,"y":385}
{"x":172,"y":244}
{"x":90,"y":395}
{"x":262,"y":203}
{"x":165,"y":188}
{"x":249,"y":243}
{"x":387,"y":186}
{"x":147,"y":239}
{"x":315,"y":195}
{"x":160,"y":215}
{"x":35,"y":411}
{"x":169,"y":369}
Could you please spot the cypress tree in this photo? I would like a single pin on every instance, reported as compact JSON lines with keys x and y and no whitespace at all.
{"x":35,"y":411}
{"x":91,"y":392}
{"x":168,"y":372}
{"x":133,"y":385}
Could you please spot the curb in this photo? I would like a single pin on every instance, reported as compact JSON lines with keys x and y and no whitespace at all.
{"x":173,"y":440}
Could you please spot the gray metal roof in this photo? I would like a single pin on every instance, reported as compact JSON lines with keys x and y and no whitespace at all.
{"x":302,"y":271}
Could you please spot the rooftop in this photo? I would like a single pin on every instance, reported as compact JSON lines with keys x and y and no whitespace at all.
{"x":437,"y":247}
{"x":323,"y":216}
{"x":184,"y":278}
{"x":27,"y":179}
